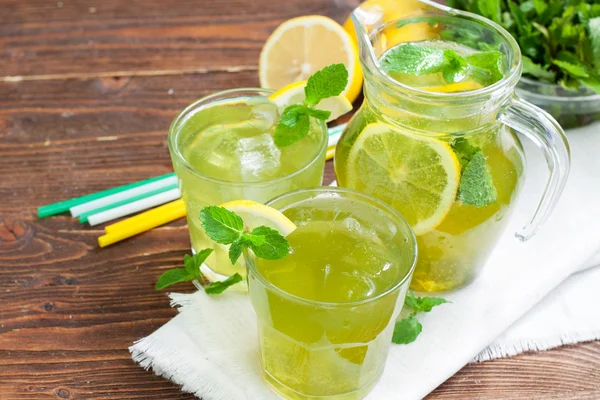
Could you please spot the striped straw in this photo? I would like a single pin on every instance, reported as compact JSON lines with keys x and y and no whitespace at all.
{"x":83,"y":218}
{"x":133,"y":207}
{"x":122,"y":195}
{"x":63,"y":206}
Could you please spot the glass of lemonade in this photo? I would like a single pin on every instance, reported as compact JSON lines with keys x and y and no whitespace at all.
{"x":222,"y":149}
{"x":412,"y":141}
{"x":326,"y":312}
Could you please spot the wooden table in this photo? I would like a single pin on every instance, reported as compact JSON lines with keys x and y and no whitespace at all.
{"x":87,"y":92}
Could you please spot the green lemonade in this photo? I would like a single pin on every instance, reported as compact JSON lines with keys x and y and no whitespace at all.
{"x":222,"y":150}
{"x":320,"y":337}
{"x":451,"y":252}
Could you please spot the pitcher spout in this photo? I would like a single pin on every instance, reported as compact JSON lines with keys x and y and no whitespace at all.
{"x":375,"y":27}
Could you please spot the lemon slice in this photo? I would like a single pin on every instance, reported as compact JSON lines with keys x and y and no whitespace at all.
{"x":256,"y":214}
{"x":301,"y":46}
{"x":294,"y":94}
{"x":455,"y":87}
{"x":417,"y":175}
{"x":376,"y":13}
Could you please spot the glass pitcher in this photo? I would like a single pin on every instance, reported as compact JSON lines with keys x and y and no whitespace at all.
{"x":446,"y":156}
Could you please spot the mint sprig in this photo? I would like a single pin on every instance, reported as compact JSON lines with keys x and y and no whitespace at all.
{"x":408,"y":329}
{"x":226,"y":227}
{"x":294,"y":122}
{"x":219,"y":287}
{"x":484,"y":67}
{"x":190,"y":271}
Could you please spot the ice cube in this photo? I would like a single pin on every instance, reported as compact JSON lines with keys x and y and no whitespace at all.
{"x":264,"y":113}
{"x":222,"y":154}
{"x":259,"y":157}
{"x":352,"y":225}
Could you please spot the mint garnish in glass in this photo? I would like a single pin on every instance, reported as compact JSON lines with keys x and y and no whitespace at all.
{"x":226,"y":227}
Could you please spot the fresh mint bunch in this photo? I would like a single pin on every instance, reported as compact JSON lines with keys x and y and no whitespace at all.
{"x":484,"y":67}
{"x":476,"y":184}
{"x":559,"y":39}
{"x":408,"y":329}
{"x":294,"y":123}
{"x":226,"y":227}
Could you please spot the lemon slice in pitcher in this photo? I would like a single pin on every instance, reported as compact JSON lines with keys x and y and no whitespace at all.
{"x":417,"y":175}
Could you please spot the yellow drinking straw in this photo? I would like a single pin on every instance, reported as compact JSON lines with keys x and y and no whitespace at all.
{"x":142,"y":222}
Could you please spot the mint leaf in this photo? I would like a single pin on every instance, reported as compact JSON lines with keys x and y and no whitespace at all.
{"x":243,"y":242}
{"x":490,"y":9}
{"x":476,"y":184}
{"x":537,"y":71}
{"x":328,"y":82}
{"x":406,"y":330}
{"x":273,"y":245}
{"x":192,"y":263}
{"x":221,"y":225}
{"x":577,"y":70}
{"x":413,"y":59}
{"x":293,"y":125}
{"x":519,"y":17}
{"x":318,"y":114}
{"x":594,"y":33}
{"x":486,"y":67}
{"x":593,"y":83}
{"x":464,"y":151}
{"x":236,"y":249}
{"x":172,"y":276}
{"x":422,"y":304}
{"x":455,"y":68}
{"x":540,"y":6}
{"x":220,"y":286}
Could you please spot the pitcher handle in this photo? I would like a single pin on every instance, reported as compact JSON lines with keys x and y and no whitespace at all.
{"x":541,"y":128}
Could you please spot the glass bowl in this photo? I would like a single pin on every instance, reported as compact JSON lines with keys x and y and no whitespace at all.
{"x":571,"y":108}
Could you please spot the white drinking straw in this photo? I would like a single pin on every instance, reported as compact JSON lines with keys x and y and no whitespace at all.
{"x":134,"y":207}
{"x":124,"y":195}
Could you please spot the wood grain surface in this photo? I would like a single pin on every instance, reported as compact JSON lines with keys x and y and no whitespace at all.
{"x":87,"y":92}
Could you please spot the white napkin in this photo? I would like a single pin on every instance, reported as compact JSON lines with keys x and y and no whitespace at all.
{"x":211,"y":347}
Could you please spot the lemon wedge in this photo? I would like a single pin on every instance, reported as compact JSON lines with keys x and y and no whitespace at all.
{"x":417,"y":175}
{"x":294,"y":94}
{"x":301,"y":46}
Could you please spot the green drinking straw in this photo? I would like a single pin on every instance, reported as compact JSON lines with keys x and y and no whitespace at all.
{"x":63,"y":206}
{"x":83,"y":218}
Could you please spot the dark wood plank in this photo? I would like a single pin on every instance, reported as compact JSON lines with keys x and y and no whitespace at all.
{"x":566,"y":373}
{"x":41,"y":37}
